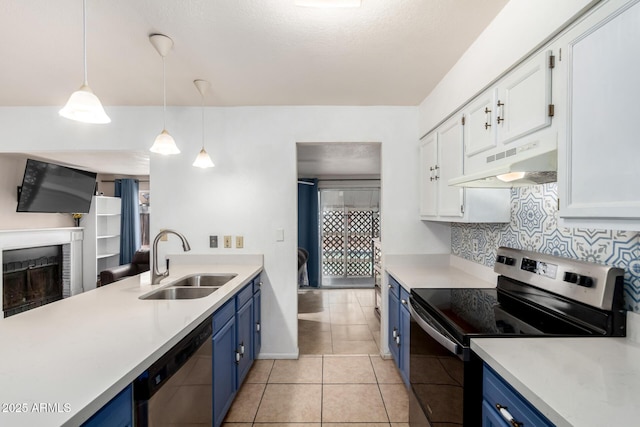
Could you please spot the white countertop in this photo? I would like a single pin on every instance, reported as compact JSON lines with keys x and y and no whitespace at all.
{"x":581,"y":382}
{"x":439,"y":271}
{"x":83,"y":350}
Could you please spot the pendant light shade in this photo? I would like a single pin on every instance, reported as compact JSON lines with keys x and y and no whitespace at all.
{"x":83,"y":105}
{"x":202,"y":159}
{"x":164,"y":143}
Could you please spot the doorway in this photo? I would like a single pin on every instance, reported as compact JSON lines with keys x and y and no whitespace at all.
{"x":339,"y":213}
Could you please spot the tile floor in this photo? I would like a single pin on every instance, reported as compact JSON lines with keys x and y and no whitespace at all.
{"x":337,"y":321}
{"x":356,"y":388}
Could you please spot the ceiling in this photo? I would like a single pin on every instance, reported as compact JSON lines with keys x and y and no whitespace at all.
{"x":386,"y":52}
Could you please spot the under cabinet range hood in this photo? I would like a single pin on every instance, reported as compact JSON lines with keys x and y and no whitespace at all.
{"x":529,"y":164}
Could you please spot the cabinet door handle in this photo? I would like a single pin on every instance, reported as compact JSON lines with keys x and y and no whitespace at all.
{"x":487,"y":118}
{"x":257,"y":327}
{"x":501,"y":114}
{"x":394,"y":334}
{"x":404,"y":301}
{"x":259,"y":283}
{"x":398,"y":340}
{"x":507,"y":416}
{"x":237,"y":358}
{"x":242,"y":349}
{"x":390,"y":286}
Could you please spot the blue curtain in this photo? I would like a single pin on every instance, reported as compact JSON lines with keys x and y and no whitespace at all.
{"x":127,"y":190}
{"x":308,"y":227}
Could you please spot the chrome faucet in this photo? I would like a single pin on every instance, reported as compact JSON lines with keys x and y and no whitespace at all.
{"x":156,"y":276}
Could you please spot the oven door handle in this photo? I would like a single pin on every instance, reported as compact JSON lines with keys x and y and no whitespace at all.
{"x":447,"y":343}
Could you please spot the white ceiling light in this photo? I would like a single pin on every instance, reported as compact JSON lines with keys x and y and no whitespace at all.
{"x":164,"y":143}
{"x":202,"y":160}
{"x":83,"y":105}
{"x":328,"y":3}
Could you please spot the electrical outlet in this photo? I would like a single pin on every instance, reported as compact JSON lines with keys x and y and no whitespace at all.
{"x":213,"y":241}
{"x":239,"y":242}
{"x":474,"y":246}
{"x":227,"y":241}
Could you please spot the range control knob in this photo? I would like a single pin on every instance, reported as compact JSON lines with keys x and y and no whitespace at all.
{"x":578,"y":279}
{"x":505,"y":260}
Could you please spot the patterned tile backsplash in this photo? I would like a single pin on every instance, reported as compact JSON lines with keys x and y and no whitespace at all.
{"x":534,"y":227}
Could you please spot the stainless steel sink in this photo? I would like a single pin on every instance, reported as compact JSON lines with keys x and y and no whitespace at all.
{"x":181,"y":293}
{"x":204,"y":280}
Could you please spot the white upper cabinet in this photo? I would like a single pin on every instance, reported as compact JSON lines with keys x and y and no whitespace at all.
{"x":524,"y":99}
{"x":449,"y":136}
{"x":441,"y":158}
{"x":599,"y":176}
{"x":479,"y":134}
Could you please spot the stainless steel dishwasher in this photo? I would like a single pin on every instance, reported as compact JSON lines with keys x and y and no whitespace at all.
{"x":176,"y":389}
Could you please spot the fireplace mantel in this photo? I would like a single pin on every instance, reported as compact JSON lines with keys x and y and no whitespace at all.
{"x":29,"y":238}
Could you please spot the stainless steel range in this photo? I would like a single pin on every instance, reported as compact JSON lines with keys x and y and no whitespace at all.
{"x":537,"y":295}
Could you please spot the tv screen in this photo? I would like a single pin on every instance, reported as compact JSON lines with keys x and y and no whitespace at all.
{"x":51,"y":188}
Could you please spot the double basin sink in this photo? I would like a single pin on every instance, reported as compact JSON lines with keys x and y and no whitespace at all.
{"x":191,"y":287}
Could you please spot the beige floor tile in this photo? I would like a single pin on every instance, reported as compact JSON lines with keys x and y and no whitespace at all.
{"x":352,"y":403}
{"x":385,"y":370}
{"x":322,"y":316}
{"x":317,"y":343}
{"x":355,"y":347}
{"x":260,"y":371}
{"x":245,"y":404}
{"x":348,"y":318}
{"x":345,"y":307}
{"x":399,"y":424}
{"x":342,"y":296}
{"x":287,"y":425}
{"x":347,"y":369}
{"x":291,"y":403}
{"x":351,"y":333}
{"x":303,"y":370}
{"x":366,"y":299}
{"x":355,"y":425}
{"x":305,"y":326}
{"x":396,"y":401}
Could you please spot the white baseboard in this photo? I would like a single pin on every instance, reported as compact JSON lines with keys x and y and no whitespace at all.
{"x":279,"y":355}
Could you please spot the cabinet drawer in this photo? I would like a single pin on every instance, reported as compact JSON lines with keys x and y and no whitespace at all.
{"x":496,"y":391}
{"x":404,"y":296}
{"x":245,"y":295}
{"x":223,"y":315}
{"x":394,"y":287}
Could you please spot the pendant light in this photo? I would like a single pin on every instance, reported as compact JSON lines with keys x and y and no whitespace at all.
{"x":164,"y":143}
{"x":202,"y":159}
{"x":83,"y":105}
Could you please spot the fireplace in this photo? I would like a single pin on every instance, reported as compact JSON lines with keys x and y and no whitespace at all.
{"x":31,"y":277}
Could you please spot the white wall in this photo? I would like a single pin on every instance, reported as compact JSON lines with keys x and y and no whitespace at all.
{"x":519,"y":28}
{"x":11,"y":173}
{"x":252,"y":190}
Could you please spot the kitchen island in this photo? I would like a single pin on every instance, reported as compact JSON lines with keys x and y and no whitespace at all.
{"x":62,"y":362}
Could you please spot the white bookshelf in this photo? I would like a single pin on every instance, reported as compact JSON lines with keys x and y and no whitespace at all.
{"x":101,"y":238}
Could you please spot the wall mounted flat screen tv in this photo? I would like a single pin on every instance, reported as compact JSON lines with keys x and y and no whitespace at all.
{"x":51,"y":188}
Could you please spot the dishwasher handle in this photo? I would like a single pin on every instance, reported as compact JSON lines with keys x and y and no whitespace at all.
{"x":443,"y":340}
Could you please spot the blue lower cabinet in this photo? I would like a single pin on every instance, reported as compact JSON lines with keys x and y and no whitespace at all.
{"x":497,"y":394}
{"x":117,"y":413}
{"x":257,"y":325}
{"x":224,"y":373}
{"x":245,"y":339}
{"x":399,"y":322}
{"x":234,"y":347}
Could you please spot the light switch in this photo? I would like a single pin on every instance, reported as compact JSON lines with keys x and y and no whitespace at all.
{"x":279,"y":234}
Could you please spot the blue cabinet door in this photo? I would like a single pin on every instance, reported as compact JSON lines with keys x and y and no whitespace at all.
{"x":245,"y":338}
{"x":405,"y":325}
{"x":117,"y":413}
{"x":257,"y":325}
{"x":394,"y":327}
{"x":224,"y":372}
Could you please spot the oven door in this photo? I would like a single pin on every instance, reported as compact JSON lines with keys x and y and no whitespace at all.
{"x":445,"y":380}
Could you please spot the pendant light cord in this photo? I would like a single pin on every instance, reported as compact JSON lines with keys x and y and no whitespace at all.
{"x":202,"y":121}
{"x":84,"y":38}
{"x":164,"y":95}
